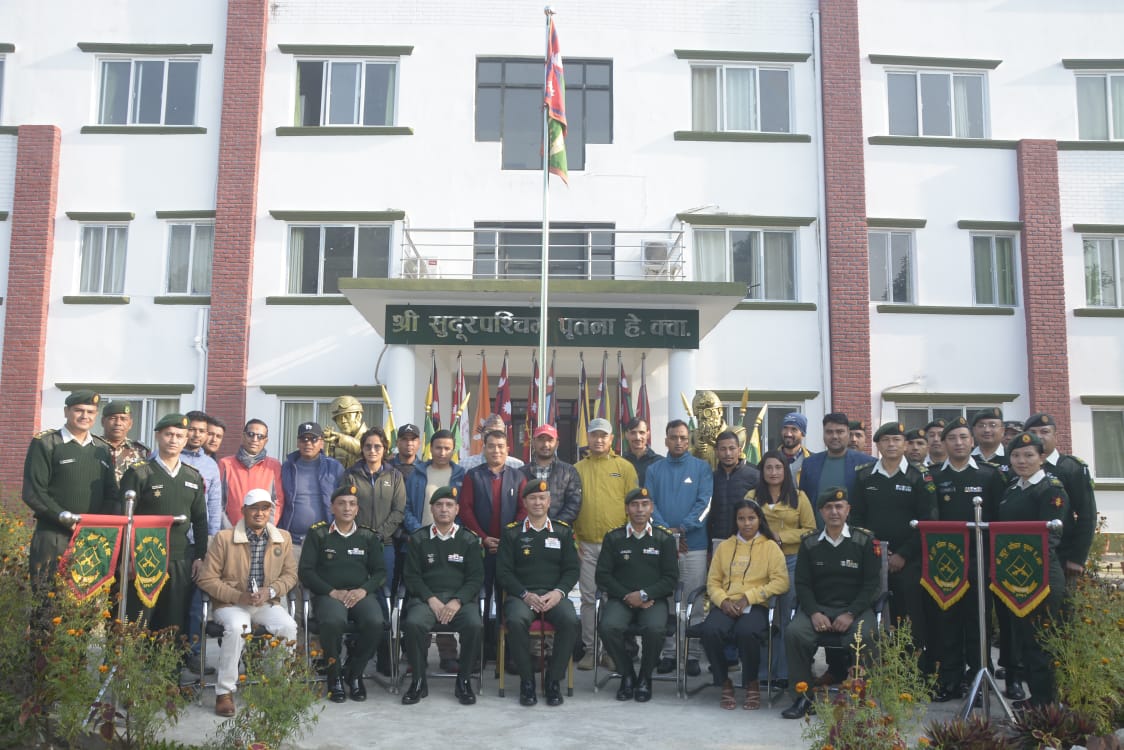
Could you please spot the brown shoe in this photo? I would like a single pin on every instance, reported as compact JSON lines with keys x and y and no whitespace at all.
{"x":224,"y":705}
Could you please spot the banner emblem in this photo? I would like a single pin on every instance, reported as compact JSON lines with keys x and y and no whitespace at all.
{"x":944,"y":568}
{"x":150,"y":556}
{"x":89,"y":562}
{"x":1020,"y":560}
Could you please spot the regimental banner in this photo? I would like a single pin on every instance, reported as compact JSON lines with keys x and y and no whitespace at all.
{"x":944,"y":566}
{"x":91,"y":558}
{"x":150,"y":556}
{"x":519,"y":326}
{"x":1020,"y":561}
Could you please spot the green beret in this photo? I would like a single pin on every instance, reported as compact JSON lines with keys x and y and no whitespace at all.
{"x":992,"y":412}
{"x":443,"y":492}
{"x":889,"y":428}
{"x":856,"y":424}
{"x":114,"y":408}
{"x":534,"y":486}
{"x":640,"y":493}
{"x":954,"y":424}
{"x":1040,"y":419}
{"x":936,"y":423}
{"x":89,"y":398}
{"x":171,"y":420}
{"x":1023,"y":439}
{"x":915,"y":435}
{"x":347,"y":490}
{"x":831,"y":494}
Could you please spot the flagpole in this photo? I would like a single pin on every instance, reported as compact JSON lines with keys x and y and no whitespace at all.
{"x":544,"y":272}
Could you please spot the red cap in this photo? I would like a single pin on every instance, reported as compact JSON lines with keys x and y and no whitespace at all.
{"x":546,"y":429}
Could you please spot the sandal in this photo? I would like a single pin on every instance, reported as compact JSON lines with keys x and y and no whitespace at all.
{"x":752,"y":696}
{"x":727,"y":701}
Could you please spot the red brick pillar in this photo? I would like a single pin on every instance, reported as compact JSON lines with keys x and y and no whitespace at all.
{"x":1043,"y":283}
{"x":29,"y":292}
{"x":235,"y":213}
{"x":845,"y":187}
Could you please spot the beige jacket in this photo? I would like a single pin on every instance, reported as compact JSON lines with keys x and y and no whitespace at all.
{"x":225,"y":574}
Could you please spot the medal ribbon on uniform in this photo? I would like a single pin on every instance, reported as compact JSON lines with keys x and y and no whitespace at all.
{"x":150,"y":556}
{"x":944,"y":566}
{"x":1020,"y":558}
{"x":91,"y":557}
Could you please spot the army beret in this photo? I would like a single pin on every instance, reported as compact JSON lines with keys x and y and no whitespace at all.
{"x":346,"y":490}
{"x":83,"y":397}
{"x":171,"y":420}
{"x":1040,"y":419}
{"x":114,"y":408}
{"x":536,"y":485}
{"x":830,"y":495}
{"x":640,"y":493}
{"x":442,"y":492}
{"x":856,"y":424}
{"x":992,"y":412}
{"x":915,"y":435}
{"x":953,"y":425}
{"x":936,"y":423}
{"x":1014,"y":425}
{"x":889,"y":428}
{"x":1024,"y":439}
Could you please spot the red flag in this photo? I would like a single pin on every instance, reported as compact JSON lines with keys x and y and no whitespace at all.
{"x":483,"y":408}
{"x":643,"y":411}
{"x":555,"y":100}
{"x":602,"y":404}
{"x":531,"y":421}
{"x":551,"y":401}
{"x":460,"y":388}
{"x":624,"y":406}
{"x":435,"y":412}
{"x":90,"y":561}
{"x":503,"y":399}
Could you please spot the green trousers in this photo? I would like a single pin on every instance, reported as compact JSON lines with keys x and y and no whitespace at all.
{"x":368,"y":629}
{"x":519,"y":617}
{"x":419,"y":620}
{"x":651,"y":624}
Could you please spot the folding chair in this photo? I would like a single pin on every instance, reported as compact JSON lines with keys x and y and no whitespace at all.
{"x":541,"y":628}
{"x":396,"y":641}
{"x":312,"y":627}
{"x":673,"y":630}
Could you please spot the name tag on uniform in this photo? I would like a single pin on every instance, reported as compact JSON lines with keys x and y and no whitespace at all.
{"x":67,"y":461}
{"x":552,"y":543}
{"x":848,"y":564}
{"x":455,"y":558}
{"x":973,"y":489}
{"x":651,"y":551}
{"x":356,"y":551}
{"x":156,"y":487}
{"x":903,"y":488}
{"x":192,"y":485}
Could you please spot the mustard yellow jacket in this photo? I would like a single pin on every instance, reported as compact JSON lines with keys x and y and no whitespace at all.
{"x":755,"y":569}
{"x":790,"y":524}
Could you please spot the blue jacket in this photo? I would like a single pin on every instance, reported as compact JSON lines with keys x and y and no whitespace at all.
{"x":415,"y":492}
{"x":681,"y":489}
{"x":813,"y":467}
{"x":329,"y":473}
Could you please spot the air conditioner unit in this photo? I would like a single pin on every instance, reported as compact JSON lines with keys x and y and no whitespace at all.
{"x":415,"y":268}
{"x":656,"y":259}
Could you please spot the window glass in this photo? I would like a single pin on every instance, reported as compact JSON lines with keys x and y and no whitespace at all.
{"x":202,"y":258}
{"x":902,"y":91}
{"x":780,"y":266}
{"x":878,"y":243}
{"x":378,"y":97}
{"x":704,"y":98}
{"x":180,"y":106}
{"x":339,"y":256}
{"x":93,"y":259}
{"x":1092,"y":108}
{"x":774,"y":101}
{"x":983,"y":270}
{"x":513,"y":250}
{"x":179,"y":258}
{"x":149,"y":91}
{"x":968,"y":91}
{"x":740,"y":99}
{"x":901,"y":274}
{"x":710,"y":255}
{"x":343,"y":93}
{"x":1108,"y":444}
{"x":310,"y":91}
{"x":114,"y":108}
{"x":936,"y":106}
{"x":744,"y":256}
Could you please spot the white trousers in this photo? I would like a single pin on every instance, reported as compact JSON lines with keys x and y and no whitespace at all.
{"x":237,"y":621}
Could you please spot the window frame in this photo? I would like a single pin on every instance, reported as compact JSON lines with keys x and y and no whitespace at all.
{"x":1106,"y":76}
{"x":3,"y":68}
{"x":1118,"y":268}
{"x":723,"y":114}
{"x":759,"y":259}
{"x":1099,"y":471}
{"x":911,"y":271}
{"x":773,"y":415}
{"x":105,"y":228}
{"x":191,"y":259}
{"x":952,"y":73}
{"x":373,"y":407}
{"x":326,"y":88}
{"x":323,"y":227}
{"x":149,"y":412}
{"x":1014,"y":265}
{"x":592,"y":261}
{"x":132,"y":104}
{"x":904,"y":413}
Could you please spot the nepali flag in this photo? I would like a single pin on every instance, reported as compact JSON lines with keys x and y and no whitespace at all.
{"x":555,"y":100}
{"x":503,"y":399}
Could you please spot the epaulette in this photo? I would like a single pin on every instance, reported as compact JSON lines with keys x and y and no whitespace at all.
{"x":861,"y":536}
{"x":318,"y":525}
{"x":513,"y":524}
{"x":194,"y":471}
{"x":45,"y":433}
{"x":98,"y":438}
{"x":561,"y":523}
{"x":140,"y":445}
{"x":1055,"y":482}
{"x":860,"y":467}
{"x":664,"y":529}
{"x":368,"y":528}
{"x":470,"y":532}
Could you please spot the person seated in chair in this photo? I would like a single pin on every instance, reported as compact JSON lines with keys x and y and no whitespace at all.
{"x":537,"y":567}
{"x":444,"y":572}
{"x":247,"y":572}
{"x":637,"y":569}
{"x":746,"y":571}
{"x":837,"y":581}
{"x":342,"y":567}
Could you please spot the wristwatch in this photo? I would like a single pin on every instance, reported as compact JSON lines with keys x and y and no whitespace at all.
{"x":643,"y":595}
{"x":272,"y":593}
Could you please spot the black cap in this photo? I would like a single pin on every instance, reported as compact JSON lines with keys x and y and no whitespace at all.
{"x":857,"y":424}
{"x":171,"y":420}
{"x":114,"y":408}
{"x":1023,"y":439}
{"x":953,"y":424}
{"x":936,"y":423}
{"x":408,"y":429}
{"x":444,"y":492}
{"x":831,"y":494}
{"x":310,"y":428}
{"x":533,"y":486}
{"x":640,"y":493}
{"x":346,"y":489}
{"x":89,"y":398}
{"x":991,"y":412}
{"x":889,"y":428}
{"x":915,"y":435}
{"x":1041,"y":419}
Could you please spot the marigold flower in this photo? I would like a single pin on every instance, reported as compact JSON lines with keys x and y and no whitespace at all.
{"x":801,"y":687}
{"x":105,"y":614}
{"x":274,"y":644}
{"x":241,"y":678}
{"x":923,"y":742}
{"x":1057,"y":663}
{"x":1105,"y":660}
{"x":103,"y":668}
{"x":56,"y":620}
{"x":50,"y":594}
{"x":906,"y":697}
{"x":871,"y":704}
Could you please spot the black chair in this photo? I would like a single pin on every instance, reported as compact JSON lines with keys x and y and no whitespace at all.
{"x":312,"y":628}
{"x":673,"y":629}
{"x":696,"y":600}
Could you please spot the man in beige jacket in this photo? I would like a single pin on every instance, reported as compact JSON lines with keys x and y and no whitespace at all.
{"x":247,"y":572}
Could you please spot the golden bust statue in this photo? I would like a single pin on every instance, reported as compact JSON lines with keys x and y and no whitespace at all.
{"x":711,"y":422}
{"x":342,"y":444}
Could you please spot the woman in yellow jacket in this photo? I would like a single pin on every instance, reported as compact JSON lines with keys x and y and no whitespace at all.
{"x":746,"y":570}
{"x":790,"y":517}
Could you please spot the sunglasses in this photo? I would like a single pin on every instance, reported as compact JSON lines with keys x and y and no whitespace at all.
{"x":256,"y":435}
{"x":308,"y":439}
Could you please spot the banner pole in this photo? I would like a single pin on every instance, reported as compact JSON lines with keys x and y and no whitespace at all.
{"x":126,"y":555}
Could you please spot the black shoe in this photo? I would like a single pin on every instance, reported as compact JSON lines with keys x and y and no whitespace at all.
{"x":1015,"y":691}
{"x":553,"y":693}
{"x":463,"y":691}
{"x":775,"y":684}
{"x":193,"y":664}
{"x":527,"y":695}
{"x":946,"y":694}
{"x":667,"y":664}
{"x":799,"y":709}
{"x":336,"y":691}
{"x":643,"y":692}
{"x":693,"y":668}
{"x":356,"y":690}
{"x":418,"y":690}
{"x":1001,"y":673}
{"x":625,"y":691}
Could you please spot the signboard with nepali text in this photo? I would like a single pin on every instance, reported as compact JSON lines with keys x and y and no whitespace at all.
{"x":519,"y":326}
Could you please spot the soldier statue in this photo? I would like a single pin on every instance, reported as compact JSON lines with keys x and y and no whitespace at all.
{"x":343,"y":444}
{"x":711,"y":420}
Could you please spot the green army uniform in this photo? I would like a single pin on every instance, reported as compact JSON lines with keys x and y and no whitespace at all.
{"x":538,"y":562}
{"x":161,"y":494}
{"x":448,"y":569}
{"x":60,"y":475}
{"x":331,"y":561}
{"x":648,"y":562}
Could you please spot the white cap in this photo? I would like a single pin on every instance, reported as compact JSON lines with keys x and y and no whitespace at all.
{"x":253,"y":497}
{"x":600,"y":425}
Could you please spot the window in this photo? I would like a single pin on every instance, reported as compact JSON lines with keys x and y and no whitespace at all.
{"x":103,"y":259}
{"x":1,"y":84}
{"x":916,"y":417}
{"x":146,"y":411}
{"x":739,"y":97}
{"x":1100,"y":107}
{"x":891,"y":266}
{"x":993,"y":269}
{"x":190,"y":247}
{"x":294,"y":412}
{"x":1102,"y":271}
{"x":509,"y":101}
{"x":148,"y":91}
{"x":513,"y":250}
{"x":1108,"y":444}
{"x":765,"y":261}
{"x":346,"y":92}
{"x":319,"y":256}
{"x":770,"y":425}
{"x":939,"y":103}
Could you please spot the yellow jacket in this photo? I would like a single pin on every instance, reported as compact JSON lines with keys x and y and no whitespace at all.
{"x":605,"y":481}
{"x":755,"y":568}
{"x":790,"y":524}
